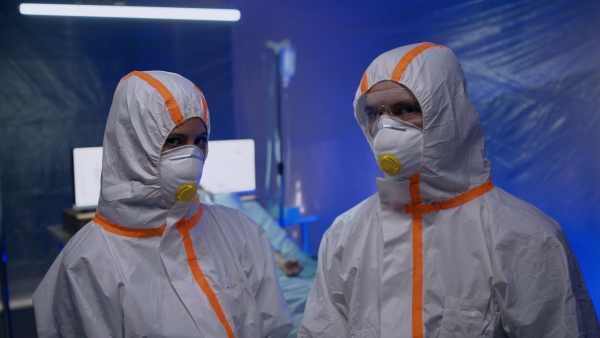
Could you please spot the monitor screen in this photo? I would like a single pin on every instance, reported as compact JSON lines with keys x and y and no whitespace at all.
{"x":229,"y":167}
{"x":87,"y":167}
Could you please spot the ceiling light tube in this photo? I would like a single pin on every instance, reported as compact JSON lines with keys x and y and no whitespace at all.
{"x":138,"y":12}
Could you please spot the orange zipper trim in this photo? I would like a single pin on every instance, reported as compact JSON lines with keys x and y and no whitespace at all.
{"x":417,"y":210}
{"x":183,"y":227}
{"x":417,"y":275}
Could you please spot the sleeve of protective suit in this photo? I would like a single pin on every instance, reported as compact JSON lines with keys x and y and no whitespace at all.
{"x":83,"y":313}
{"x":275,"y":317}
{"x":43,"y":302}
{"x":537,"y":282}
{"x":323,"y":316}
{"x":65,"y":307}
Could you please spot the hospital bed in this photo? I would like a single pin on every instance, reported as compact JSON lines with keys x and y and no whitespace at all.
{"x":295,"y":289}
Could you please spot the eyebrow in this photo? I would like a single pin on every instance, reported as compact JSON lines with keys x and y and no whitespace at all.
{"x":408,"y":102}
{"x":176,"y":135}
{"x":204,"y":134}
{"x":404,"y":102}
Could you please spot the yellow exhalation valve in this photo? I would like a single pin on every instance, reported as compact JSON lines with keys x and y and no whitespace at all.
{"x":389,"y":164}
{"x":186,"y":192}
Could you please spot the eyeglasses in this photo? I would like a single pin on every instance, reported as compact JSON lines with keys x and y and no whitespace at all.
{"x":395,"y":102}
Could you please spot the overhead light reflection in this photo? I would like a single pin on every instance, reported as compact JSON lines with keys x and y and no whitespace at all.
{"x":137,"y":12}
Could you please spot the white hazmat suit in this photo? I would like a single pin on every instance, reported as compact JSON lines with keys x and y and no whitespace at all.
{"x":444,"y":253}
{"x":150,"y":266}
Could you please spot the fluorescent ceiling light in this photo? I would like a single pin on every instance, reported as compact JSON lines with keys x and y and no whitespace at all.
{"x":138,"y":12}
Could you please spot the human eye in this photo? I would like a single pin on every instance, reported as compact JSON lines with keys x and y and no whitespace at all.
{"x":370,"y":111}
{"x":411,"y":110}
{"x":173,"y":141}
{"x":371,"y":114}
{"x":201,"y":141}
{"x":405,"y":109}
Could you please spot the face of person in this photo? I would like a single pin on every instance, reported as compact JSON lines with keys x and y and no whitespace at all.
{"x":190,"y":132}
{"x":395,"y":100}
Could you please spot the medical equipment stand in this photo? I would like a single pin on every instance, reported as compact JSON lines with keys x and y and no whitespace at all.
{"x":285,"y":67}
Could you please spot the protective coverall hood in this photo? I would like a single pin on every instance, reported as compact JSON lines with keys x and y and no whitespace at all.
{"x":146,"y":107}
{"x":454,"y":159}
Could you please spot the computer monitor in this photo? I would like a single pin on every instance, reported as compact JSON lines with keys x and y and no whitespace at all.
{"x":87,"y":167}
{"x":229,"y":167}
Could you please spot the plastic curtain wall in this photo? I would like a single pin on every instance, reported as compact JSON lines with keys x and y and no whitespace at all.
{"x":532,"y":68}
{"x":57,"y":78}
{"x":533,"y":72}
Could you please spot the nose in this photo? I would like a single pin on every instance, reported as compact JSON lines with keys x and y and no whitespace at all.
{"x":384,"y":109}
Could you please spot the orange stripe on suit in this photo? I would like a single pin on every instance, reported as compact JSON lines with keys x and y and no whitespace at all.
{"x":167,"y":96}
{"x":417,"y":210}
{"x":127,"y":232}
{"x":184,"y":226}
{"x":408,"y":58}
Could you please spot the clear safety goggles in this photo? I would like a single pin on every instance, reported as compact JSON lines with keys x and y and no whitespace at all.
{"x":394,"y":102}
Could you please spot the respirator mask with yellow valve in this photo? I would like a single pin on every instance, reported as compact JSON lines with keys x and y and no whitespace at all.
{"x":180,"y":172}
{"x":398,"y":147}
{"x":397,"y":144}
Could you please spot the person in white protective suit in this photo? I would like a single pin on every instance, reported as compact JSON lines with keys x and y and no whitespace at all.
{"x":154,"y":262}
{"x":439,"y":251}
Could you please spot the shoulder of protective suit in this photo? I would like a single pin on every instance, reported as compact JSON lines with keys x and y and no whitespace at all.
{"x":512,"y":214}
{"x":526,"y":245}
{"x":221,"y":210}
{"x":355,"y":215}
{"x":518,"y":228}
{"x":87,"y":245}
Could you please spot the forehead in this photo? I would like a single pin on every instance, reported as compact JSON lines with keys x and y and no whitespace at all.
{"x":383,"y":85}
{"x":386,"y":91}
{"x":193,"y":126}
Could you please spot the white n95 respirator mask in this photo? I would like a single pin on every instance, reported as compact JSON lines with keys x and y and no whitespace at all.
{"x":398,"y":147}
{"x":180,"y":172}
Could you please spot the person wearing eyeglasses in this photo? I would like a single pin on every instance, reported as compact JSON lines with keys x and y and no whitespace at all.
{"x":439,"y":251}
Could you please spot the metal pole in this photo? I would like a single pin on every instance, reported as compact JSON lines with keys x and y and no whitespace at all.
{"x":277,"y":47}
{"x":6,"y":318}
{"x":280,"y":166}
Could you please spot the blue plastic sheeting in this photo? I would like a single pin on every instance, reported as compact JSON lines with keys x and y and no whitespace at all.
{"x":57,"y":79}
{"x":532,"y":70}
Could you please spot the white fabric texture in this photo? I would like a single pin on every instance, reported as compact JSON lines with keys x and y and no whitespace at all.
{"x":108,"y":283}
{"x":493,"y":266}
